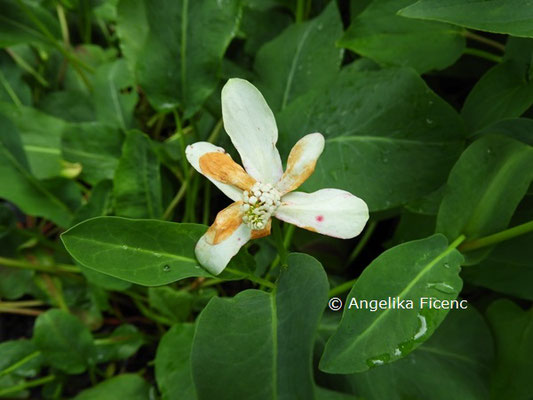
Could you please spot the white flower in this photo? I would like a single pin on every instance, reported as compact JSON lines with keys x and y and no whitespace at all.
{"x":262,"y":190}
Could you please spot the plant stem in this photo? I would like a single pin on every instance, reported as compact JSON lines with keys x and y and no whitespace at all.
{"x":10,"y":90}
{"x":20,"y":363}
{"x":371,"y":227}
{"x":175,"y":201}
{"x":17,"y":304}
{"x":490,"y":240}
{"x":482,"y":39}
{"x":300,"y":10}
{"x":27,"y":67}
{"x":25,"y":385}
{"x":252,"y":278}
{"x":21,"y":311}
{"x":279,"y":241}
{"x":483,"y":54}
{"x":344,"y":287}
{"x":58,"y":268}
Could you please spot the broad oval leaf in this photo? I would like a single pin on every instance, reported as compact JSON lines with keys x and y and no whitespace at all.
{"x":378,"y":33}
{"x":126,"y":386}
{"x":137,"y":183}
{"x":303,"y":57}
{"x":174,"y":61}
{"x":259,"y":345}
{"x":460,"y":353}
{"x":25,"y":22}
{"x":146,"y":252}
{"x":64,"y":341}
{"x":514,"y":17}
{"x":389,"y":139}
{"x":511,"y":326}
{"x":172,"y":364}
{"x":485,"y":186}
{"x":53,"y":199}
{"x":426,"y":268}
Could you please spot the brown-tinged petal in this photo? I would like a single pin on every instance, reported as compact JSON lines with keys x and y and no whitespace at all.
{"x":222,"y":168}
{"x":223,"y":239}
{"x":301,"y":162}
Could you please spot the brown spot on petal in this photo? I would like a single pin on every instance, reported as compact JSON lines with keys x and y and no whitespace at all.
{"x":309,"y":228}
{"x":297,"y":172}
{"x":222,"y":168}
{"x":259,"y":233}
{"x":226,"y":222}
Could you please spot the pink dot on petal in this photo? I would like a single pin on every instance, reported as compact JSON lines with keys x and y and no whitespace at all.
{"x":320,"y":218}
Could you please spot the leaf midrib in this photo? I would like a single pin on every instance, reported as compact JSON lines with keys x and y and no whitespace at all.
{"x":136,"y":249}
{"x":401,"y":295}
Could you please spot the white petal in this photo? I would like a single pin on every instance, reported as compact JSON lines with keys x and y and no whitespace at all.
{"x":301,"y":162}
{"x":251,"y":126}
{"x":197,"y":150}
{"x":215,"y":257}
{"x":223,"y":239}
{"x":331,"y":212}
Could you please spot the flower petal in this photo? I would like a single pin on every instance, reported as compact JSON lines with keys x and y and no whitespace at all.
{"x":301,"y":162}
{"x":222,"y":168}
{"x":331,"y":212}
{"x":223,"y":239}
{"x":251,"y":126}
{"x":195,"y":151}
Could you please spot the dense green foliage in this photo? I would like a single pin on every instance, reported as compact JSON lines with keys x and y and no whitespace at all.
{"x":426,"y":110}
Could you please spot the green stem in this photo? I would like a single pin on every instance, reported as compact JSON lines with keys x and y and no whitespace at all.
{"x":490,"y":240}
{"x":27,"y":67}
{"x":25,"y":385}
{"x":58,"y":268}
{"x":344,"y":287}
{"x":63,"y":24}
{"x":371,"y":227}
{"x":279,"y":241}
{"x":17,"y":304}
{"x":483,"y":54}
{"x":175,"y":201}
{"x":20,"y":363}
{"x":252,"y":278}
{"x":10,"y":90}
{"x":484,"y":40}
{"x":300,"y":10}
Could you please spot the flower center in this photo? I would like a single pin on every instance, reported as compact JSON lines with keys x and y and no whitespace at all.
{"x":259,"y":203}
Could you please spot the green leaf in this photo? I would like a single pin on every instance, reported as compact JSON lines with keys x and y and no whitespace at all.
{"x":120,"y":345}
{"x":303,"y":57}
{"x":516,"y":128}
{"x":126,"y":386}
{"x":137,"y":184}
{"x":507,"y":269}
{"x":503,"y":92}
{"x":114,"y":99}
{"x":41,"y":138}
{"x":69,"y":105}
{"x":514,"y":17}
{"x":97,"y":147}
{"x":460,"y":352}
{"x":98,"y":205}
{"x":146,"y":252}
{"x":389,"y":139}
{"x":13,"y":88}
{"x":426,"y":268}
{"x":173,"y":304}
{"x":172,"y":364}
{"x":484,"y":187}
{"x":514,"y":345}
{"x":380,"y":34}
{"x":65,"y":343}
{"x":22,"y":353}
{"x":174,"y":61}
{"x":18,"y":23}
{"x":55,"y":200}
{"x":259,"y":345}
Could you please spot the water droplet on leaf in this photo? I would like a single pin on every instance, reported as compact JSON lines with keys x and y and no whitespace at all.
{"x":166,"y":268}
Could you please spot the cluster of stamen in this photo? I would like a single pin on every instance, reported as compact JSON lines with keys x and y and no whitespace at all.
{"x":259,"y":203}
